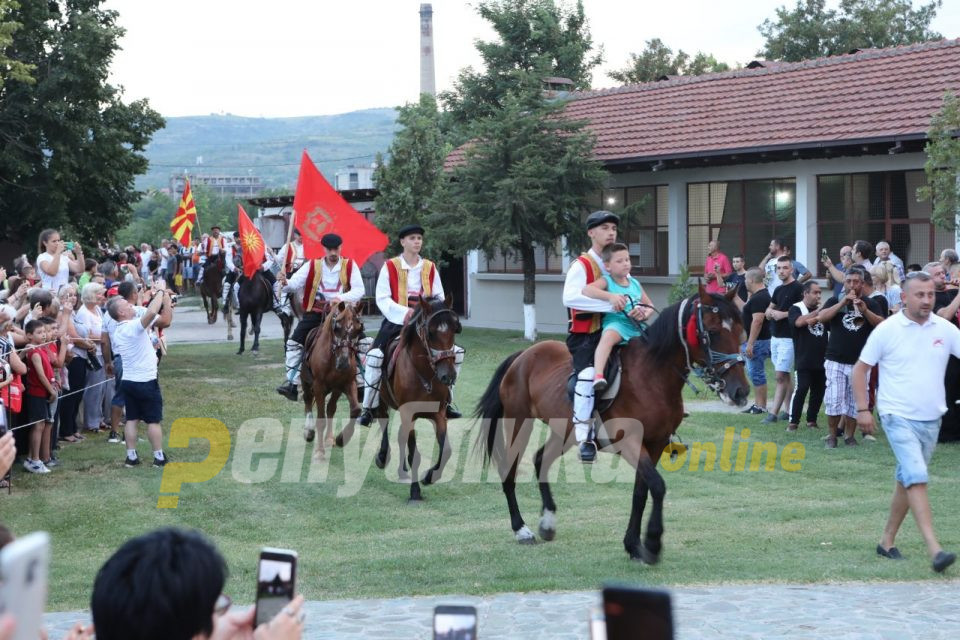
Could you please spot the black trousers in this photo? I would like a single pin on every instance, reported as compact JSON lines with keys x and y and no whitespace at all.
{"x":950,"y":423}
{"x":310,"y":321}
{"x":813,"y":381}
{"x":77,"y":374}
{"x":388,"y":331}
{"x":581,"y":347}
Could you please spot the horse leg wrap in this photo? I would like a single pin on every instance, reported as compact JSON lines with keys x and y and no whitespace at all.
{"x":583,"y":404}
{"x":236,"y":295}
{"x":225,"y":292}
{"x":293,"y":358}
{"x":371,"y":378}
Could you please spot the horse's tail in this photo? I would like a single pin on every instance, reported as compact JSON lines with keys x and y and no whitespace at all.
{"x":490,"y":409}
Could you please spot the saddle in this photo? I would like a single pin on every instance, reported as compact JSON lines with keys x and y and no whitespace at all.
{"x":612,"y":374}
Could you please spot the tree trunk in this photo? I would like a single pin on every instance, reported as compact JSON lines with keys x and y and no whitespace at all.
{"x":529,"y":260}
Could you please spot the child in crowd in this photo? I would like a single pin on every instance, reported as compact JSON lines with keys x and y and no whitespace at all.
{"x":618,"y":327}
{"x":41,"y":396}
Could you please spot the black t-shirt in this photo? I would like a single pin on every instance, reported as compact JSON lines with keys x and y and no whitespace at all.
{"x":757,"y":303}
{"x":784,"y":297}
{"x":943,"y":299}
{"x":736,"y":281}
{"x":810,"y":342}
{"x":849,"y":330}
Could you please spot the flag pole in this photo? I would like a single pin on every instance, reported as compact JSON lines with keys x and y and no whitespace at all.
{"x":283,"y":258}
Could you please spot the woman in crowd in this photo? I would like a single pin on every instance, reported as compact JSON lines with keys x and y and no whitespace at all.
{"x":55,"y":262}
{"x":77,"y":367}
{"x":887,"y":282}
{"x":92,"y":297}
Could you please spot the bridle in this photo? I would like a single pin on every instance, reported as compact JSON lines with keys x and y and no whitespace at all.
{"x":345,"y":342}
{"x":434,"y":356}
{"x":692,"y":332}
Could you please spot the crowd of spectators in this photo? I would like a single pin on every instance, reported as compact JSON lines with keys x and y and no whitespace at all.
{"x":63,"y":333}
{"x":814,"y":337}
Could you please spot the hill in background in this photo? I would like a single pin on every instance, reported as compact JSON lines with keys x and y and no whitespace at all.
{"x":266,"y":147}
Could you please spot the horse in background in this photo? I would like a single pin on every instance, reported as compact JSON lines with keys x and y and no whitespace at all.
{"x":330,"y":369}
{"x":701,"y":334}
{"x":255,"y":297}
{"x":211,"y":286}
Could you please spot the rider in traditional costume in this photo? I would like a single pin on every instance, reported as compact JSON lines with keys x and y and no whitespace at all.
{"x":232,"y":268}
{"x":323,"y":281}
{"x":210,"y":247}
{"x":403,"y":281}
{"x":291,"y":256}
{"x":586,"y":323}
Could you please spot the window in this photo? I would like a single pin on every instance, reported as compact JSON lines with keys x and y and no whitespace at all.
{"x":742,"y":216}
{"x":354,"y":180}
{"x":878,"y":206}
{"x":547,"y":261}
{"x":644,"y":215}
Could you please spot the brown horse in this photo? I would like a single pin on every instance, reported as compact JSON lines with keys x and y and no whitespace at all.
{"x":211,"y":286}
{"x":330,"y":368}
{"x":700,"y":334}
{"x":417,"y":385}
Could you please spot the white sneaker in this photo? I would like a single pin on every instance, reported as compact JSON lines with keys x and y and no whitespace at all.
{"x":35,"y":466}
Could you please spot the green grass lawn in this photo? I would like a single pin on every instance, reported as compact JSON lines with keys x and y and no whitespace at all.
{"x":820,"y":523}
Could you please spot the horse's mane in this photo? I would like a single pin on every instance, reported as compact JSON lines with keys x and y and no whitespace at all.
{"x":662,"y":336}
{"x":409,"y":331}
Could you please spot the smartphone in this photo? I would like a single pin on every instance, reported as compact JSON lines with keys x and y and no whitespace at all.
{"x":23,"y":582}
{"x":69,"y":246}
{"x":823,"y":253}
{"x":276,"y":580}
{"x":635,"y":612}
{"x":454,"y":623}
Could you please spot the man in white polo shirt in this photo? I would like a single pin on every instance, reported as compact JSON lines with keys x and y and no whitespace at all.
{"x":911,"y":349}
{"x":141,"y":391}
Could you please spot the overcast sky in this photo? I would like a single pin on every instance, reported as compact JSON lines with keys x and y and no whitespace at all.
{"x":292,"y":58}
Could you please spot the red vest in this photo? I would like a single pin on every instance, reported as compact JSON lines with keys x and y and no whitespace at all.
{"x":220,"y":243}
{"x":315,"y":281}
{"x":398,"y":280}
{"x":585,"y":321}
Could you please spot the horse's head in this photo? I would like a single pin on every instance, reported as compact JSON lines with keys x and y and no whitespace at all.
{"x":345,"y":328}
{"x":713,"y":330}
{"x":437,"y":325}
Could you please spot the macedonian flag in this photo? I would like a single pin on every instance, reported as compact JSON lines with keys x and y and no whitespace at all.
{"x":185,"y":218}
{"x":251,"y":242}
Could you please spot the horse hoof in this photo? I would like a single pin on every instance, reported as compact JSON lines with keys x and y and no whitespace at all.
{"x":240,"y":352}
{"x":255,"y":351}
{"x":229,"y":336}
{"x":644,"y":556}
{"x":548,"y":525}
{"x":525,"y":536}
{"x":329,"y":441}
{"x":308,"y":434}
{"x":381,"y":461}
{"x":547,"y":534}
{"x":338,"y":441}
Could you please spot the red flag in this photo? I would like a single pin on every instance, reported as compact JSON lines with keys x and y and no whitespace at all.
{"x":185,"y":218}
{"x":319,"y":209}
{"x":251,"y":242}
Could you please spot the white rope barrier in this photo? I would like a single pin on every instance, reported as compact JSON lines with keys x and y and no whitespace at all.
{"x":89,"y":386}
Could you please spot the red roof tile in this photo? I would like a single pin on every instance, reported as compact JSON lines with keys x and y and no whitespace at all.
{"x":871,"y":94}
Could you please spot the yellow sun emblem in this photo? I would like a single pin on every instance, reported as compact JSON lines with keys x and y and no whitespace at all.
{"x":251,"y":240}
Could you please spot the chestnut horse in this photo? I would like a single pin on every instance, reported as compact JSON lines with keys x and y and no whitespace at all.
{"x":211,"y":286}
{"x":330,"y":368}
{"x":417,"y":385}
{"x":701,"y":334}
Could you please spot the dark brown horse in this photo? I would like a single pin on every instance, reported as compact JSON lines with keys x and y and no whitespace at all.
{"x":417,"y":385}
{"x":212,"y":286}
{"x":700,"y":334}
{"x":330,"y":369}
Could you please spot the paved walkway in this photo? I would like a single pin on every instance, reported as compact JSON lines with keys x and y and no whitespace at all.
{"x":882,"y":611}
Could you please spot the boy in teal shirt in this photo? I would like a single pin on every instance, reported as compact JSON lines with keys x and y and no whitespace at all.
{"x":617,"y":285}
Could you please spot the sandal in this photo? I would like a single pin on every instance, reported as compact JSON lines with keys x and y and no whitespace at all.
{"x":70,"y":439}
{"x":79,"y":437}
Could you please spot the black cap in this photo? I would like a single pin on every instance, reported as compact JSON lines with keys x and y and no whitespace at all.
{"x":331,"y":241}
{"x":597,"y":218}
{"x":215,"y":227}
{"x":407,"y":230}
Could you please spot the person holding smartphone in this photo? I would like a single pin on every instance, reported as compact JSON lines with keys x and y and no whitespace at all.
{"x":168,"y":585}
{"x":54,"y":265}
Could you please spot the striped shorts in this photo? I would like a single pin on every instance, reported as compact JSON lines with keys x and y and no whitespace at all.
{"x":838,"y":401}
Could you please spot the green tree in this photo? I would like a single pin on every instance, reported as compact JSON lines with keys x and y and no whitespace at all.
{"x":70,"y":146}
{"x":657,"y":60}
{"x":943,"y":164}
{"x":409,"y":181}
{"x":810,"y":30}
{"x":533,"y":35}
{"x":525,"y":182}
{"x":11,"y":69}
